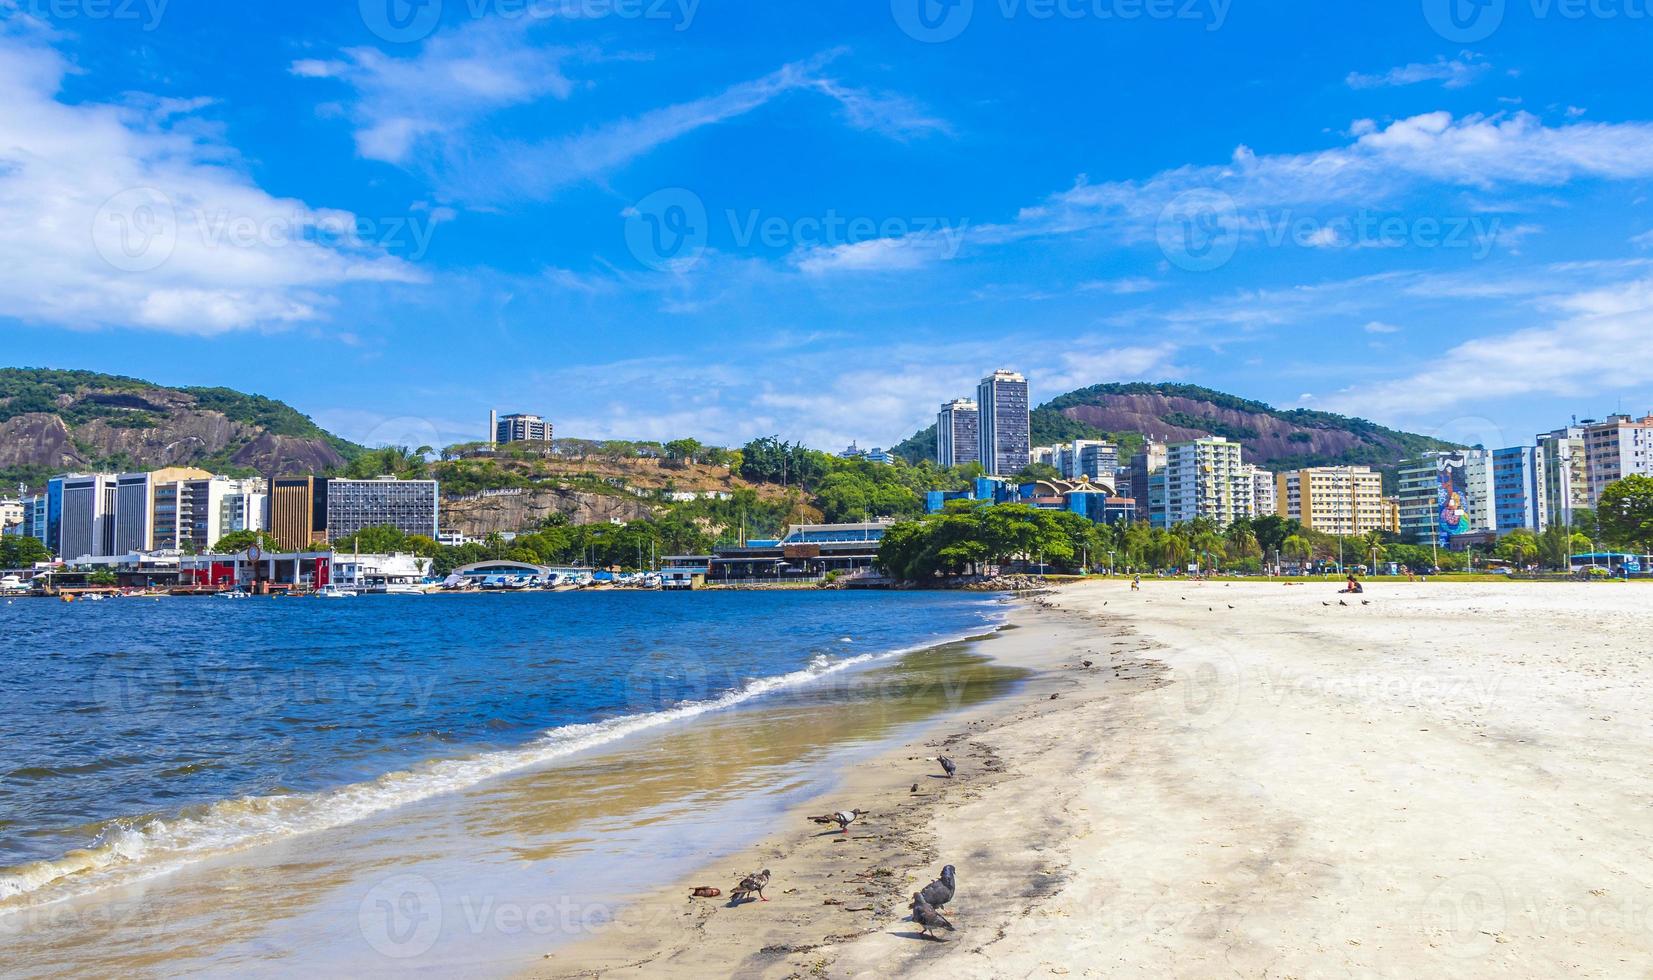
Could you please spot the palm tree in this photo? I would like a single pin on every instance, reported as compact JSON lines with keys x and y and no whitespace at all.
{"x":1297,"y":547}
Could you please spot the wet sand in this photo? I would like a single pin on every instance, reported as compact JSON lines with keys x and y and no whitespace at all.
{"x":483,"y":881}
{"x":1257,"y":780}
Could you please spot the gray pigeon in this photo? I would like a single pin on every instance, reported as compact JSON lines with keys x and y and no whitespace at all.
{"x":928,"y":918}
{"x":947,"y":765}
{"x":843,"y":818}
{"x":938,"y":893}
{"x":751,"y":885}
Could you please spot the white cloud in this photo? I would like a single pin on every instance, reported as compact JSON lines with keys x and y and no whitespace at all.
{"x":139,"y":215}
{"x":1378,"y":326}
{"x":1643,"y":240}
{"x":1595,"y":343}
{"x":457,"y":77}
{"x":1455,"y":73}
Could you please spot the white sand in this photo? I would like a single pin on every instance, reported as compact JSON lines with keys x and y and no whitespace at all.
{"x":1452,"y":781}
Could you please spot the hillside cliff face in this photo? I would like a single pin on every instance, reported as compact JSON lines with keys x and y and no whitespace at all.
{"x":56,"y":421}
{"x":522,"y":510}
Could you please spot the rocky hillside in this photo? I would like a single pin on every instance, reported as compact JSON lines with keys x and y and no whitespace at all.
{"x":54,"y":421}
{"x":1273,"y":438}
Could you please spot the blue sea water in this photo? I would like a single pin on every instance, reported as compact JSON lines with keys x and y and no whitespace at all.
{"x":134,"y":727}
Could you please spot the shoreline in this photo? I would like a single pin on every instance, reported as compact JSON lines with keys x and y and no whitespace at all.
{"x":831,"y":889}
{"x":1433,"y":779}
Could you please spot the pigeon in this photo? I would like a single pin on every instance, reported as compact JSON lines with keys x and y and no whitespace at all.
{"x":1231,"y":607}
{"x":749,"y":886}
{"x":843,"y":818}
{"x":1365,"y":602}
{"x":1341,"y":602}
{"x":947,"y":766}
{"x":939,"y":892}
{"x":928,"y":918}
{"x":1087,"y":663}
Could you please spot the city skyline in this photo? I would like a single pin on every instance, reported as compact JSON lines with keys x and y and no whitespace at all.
{"x":1478,"y":266}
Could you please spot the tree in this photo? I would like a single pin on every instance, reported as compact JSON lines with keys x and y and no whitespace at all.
{"x":18,"y":551}
{"x":1518,"y":547}
{"x":236,"y":542}
{"x":1297,"y":547}
{"x":1625,"y":514}
{"x":683,"y":450}
{"x":382,"y":539}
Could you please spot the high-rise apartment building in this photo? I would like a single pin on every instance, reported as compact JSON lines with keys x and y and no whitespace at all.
{"x":1207,"y":478}
{"x":958,"y":433}
{"x":1144,"y":465}
{"x":1566,"y":474}
{"x":522,"y":428}
{"x":1092,"y":458}
{"x":1519,"y":499}
{"x":1617,"y":448}
{"x":1005,"y":436}
{"x":1263,"y":492}
{"x":1446,"y":494}
{"x":1345,"y":500}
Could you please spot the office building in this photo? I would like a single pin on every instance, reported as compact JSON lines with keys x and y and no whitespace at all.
{"x":355,"y":505}
{"x":958,"y":433}
{"x":298,"y":511}
{"x":1566,"y":474}
{"x":521,"y":428}
{"x":11,"y":514}
{"x":1050,"y":456}
{"x":1519,"y":499}
{"x":1207,"y":478}
{"x":1144,"y":465}
{"x":87,"y":524}
{"x":1617,"y":448}
{"x":1005,"y":437}
{"x":1345,"y":500}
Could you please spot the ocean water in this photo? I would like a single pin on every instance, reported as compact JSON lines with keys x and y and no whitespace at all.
{"x":140,"y":735}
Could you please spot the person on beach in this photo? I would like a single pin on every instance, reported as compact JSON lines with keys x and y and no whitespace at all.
{"x":1136,"y":583}
{"x":1353,"y":587}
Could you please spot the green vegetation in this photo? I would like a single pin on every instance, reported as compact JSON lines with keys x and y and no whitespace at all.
{"x":1625,"y":514}
{"x":236,"y":542}
{"x":1217,"y":427}
{"x":963,"y":538}
{"x":17,"y":551}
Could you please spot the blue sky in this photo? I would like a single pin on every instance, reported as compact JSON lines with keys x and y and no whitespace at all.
{"x":660,"y":218}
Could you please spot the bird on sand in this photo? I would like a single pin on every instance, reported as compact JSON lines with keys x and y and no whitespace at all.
{"x":1365,"y":602}
{"x":947,"y":765}
{"x":1341,"y":602}
{"x":928,"y":919}
{"x":939,"y":892}
{"x":749,"y":886}
{"x":843,"y":818}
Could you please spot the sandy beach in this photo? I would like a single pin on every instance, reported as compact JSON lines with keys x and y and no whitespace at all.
{"x":1252,"y":780}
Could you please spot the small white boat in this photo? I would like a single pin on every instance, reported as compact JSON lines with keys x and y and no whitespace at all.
{"x":334,"y":592}
{"x":403,"y":588}
{"x":234,"y":594}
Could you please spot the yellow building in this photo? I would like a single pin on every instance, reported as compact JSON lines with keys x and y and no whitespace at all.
{"x":1336,"y":500}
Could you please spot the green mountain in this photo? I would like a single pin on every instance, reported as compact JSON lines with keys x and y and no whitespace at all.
{"x":1273,"y":438}
{"x":56,"y":421}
